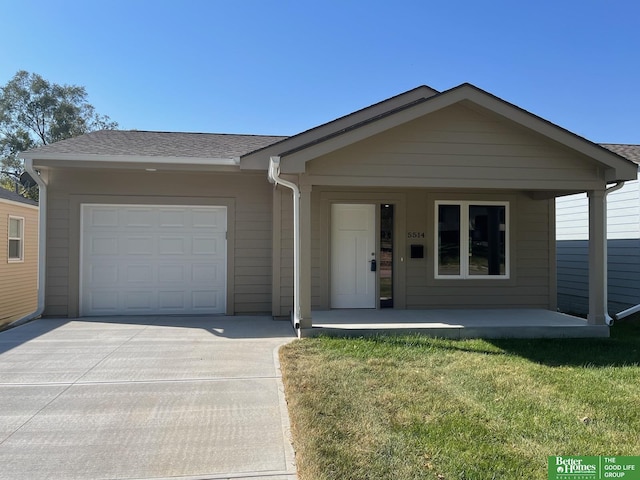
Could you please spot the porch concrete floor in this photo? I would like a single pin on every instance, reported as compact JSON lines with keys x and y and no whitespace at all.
{"x":490,"y":323}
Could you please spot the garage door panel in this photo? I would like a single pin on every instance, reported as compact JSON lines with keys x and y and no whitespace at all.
{"x":138,"y":274}
{"x":212,"y":245}
{"x":171,"y":273}
{"x":153,"y":260}
{"x":139,"y":300}
{"x":103,"y":245}
{"x":172,"y":246}
{"x":138,"y":245}
{"x":171,"y":300}
{"x":104,"y":217}
{"x":205,"y":299}
{"x":103,"y":301}
{"x":138,"y":217}
{"x":103,"y":274}
{"x":203,"y":219}
{"x":172,"y":218}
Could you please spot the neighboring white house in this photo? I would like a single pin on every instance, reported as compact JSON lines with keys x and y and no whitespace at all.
{"x":623,"y":233}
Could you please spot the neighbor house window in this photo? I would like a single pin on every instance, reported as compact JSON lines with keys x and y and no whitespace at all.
{"x":16,"y":239}
{"x":472,"y":240}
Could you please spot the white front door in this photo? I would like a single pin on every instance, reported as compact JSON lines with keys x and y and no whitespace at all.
{"x":353,"y":283}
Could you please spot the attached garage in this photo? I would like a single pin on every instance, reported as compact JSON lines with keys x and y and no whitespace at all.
{"x":153,"y":259}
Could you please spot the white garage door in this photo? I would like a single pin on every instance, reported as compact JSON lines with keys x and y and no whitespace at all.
{"x":141,"y":260}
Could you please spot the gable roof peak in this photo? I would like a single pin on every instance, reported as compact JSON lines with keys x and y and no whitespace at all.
{"x":367,"y":114}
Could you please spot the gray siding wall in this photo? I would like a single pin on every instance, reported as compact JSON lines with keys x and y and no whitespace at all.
{"x":623,"y":233}
{"x":247,"y":197}
{"x":573,"y":275}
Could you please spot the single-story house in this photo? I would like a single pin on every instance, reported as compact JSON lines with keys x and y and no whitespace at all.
{"x":623,"y":233}
{"x":426,"y":200}
{"x":18,"y":256}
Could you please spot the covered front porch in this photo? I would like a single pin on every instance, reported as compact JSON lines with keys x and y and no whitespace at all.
{"x":456,"y":324}
{"x":454,"y":195}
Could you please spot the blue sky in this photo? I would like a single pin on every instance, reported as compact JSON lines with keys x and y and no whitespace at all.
{"x":281,"y":67}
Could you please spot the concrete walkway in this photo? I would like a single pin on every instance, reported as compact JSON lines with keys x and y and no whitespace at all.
{"x":144,"y":398}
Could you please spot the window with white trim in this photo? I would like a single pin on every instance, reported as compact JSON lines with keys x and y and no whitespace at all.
{"x":16,"y":239}
{"x":472,"y":240}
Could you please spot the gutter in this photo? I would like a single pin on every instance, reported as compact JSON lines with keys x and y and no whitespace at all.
{"x":274,"y":177}
{"x":608,"y":319}
{"x":42,"y":243}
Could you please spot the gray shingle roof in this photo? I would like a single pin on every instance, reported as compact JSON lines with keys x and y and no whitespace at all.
{"x":631,"y":152}
{"x":14,"y":197}
{"x":196,"y":145}
{"x":158,"y":144}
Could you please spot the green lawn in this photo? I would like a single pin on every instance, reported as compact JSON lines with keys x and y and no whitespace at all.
{"x":413,"y":407}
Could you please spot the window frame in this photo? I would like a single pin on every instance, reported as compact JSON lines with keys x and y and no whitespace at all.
{"x":20,"y":239}
{"x":464,"y":206}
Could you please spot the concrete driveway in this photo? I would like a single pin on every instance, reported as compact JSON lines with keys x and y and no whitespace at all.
{"x":144,"y":398}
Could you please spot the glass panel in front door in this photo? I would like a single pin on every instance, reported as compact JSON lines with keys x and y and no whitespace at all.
{"x":386,"y":256}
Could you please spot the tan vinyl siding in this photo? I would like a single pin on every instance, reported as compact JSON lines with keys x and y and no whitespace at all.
{"x":18,"y":280}
{"x":528,"y":285}
{"x":253,"y":246}
{"x":460,"y":147}
{"x":249,"y":204}
{"x":415,"y":284}
{"x":57,"y":246}
{"x":286,"y":253}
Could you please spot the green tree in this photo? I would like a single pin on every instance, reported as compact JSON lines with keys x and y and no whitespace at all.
{"x":34,"y":112}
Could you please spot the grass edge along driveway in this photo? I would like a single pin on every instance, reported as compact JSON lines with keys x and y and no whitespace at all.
{"x":412,"y":407}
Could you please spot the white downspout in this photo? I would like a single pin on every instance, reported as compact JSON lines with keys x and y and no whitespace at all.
{"x":274,"y":177}
{"x":42,"y":243}
{"x":627,"y":312}
{"x":608,"y":318}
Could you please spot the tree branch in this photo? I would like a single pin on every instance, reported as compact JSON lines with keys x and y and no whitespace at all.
{"x":13,"y":174}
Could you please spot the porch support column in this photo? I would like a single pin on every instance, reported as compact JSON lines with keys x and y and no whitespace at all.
{"x":597,"y":258}
{"x":305,"y":258}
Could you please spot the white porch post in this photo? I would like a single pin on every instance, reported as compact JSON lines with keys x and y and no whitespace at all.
{"x":597,"y":258}
{"x":305,"y":257}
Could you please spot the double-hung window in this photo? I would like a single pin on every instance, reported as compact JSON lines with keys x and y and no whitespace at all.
{"x":16,"y":239}
{"x":472,"y":240}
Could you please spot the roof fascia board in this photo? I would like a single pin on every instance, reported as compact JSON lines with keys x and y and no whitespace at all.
{"x":258,"y":159}
{"x":90,"y":158}
{"x":149,"y":166}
